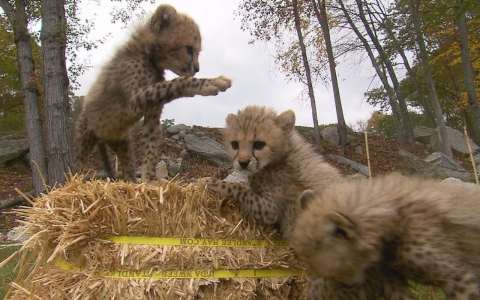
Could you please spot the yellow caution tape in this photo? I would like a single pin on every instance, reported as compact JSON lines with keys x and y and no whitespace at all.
{"x":187,"y":274}
{"x":198,"y":242}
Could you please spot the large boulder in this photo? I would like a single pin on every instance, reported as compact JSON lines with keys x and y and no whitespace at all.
{"x":330,"y":134}
{"x":176,"y":129}
{"x":11,"y":149}
{"x":208,"y":148}
{"x":457,"y":141}
{"x":362,"y":169}
{"x":441,"y":159}
{"x":422,"y":134}
{"x":409,"y":164}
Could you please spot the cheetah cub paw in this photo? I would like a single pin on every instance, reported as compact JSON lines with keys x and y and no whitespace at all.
{"x":210,"y":183}
{"x":216,"y":85}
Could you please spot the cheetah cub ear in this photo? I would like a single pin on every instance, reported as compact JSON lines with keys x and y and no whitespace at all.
{"x":163,"y":17}
{"x":231,"y":120}
{"x":306,"y":198}
{"x":286,"y":120}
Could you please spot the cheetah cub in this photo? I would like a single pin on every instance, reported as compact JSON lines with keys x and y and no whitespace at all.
{"x":279,"y":165}
{"x":132,"y":86}
{"x":364,"y":235}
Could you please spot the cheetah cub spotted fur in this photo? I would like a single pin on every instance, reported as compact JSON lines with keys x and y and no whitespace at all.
{"x":366,"y":238}
{"x":132,"y":85}
{"x":279,"y":165}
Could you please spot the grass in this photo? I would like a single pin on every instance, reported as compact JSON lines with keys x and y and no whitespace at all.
{"x":9,"y":272}
{"x":422,"y":292}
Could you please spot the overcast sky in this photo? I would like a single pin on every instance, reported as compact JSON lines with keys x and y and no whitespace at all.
{"x":226,"y":51}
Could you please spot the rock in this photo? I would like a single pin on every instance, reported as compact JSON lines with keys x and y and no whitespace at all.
{"x":409,"y":164}
{"x":182,"y":134}
{"x":357,"y":166}
{"x":422,"y":134}
{"x":208,"y":148}
{"x":183,"y":153}
{"x":458,"y":181}
{"x":330,"y":134}
{"x":161,"y":170}
{"x":11,"y":149}
{"x":434,"y":143}
{"x":15,"y":235}
{"x":359,"y":149}
{"x":174,"y":168}
{"x":236,"y":176}
{"x":175,"y":129}
{"x":457,"y":141}
{"x":350,"y":141}
{"x":440,"y":159}
{"x":476,"y":159}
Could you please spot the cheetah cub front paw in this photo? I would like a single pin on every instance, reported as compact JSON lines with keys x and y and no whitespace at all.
{"x":210,"y":183}
{"x":216,"y":85}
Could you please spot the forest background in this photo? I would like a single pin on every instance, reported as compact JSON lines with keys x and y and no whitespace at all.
{"x":426,"y":55}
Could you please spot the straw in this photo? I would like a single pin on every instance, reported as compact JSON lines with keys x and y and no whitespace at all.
{"x":71,"y":224}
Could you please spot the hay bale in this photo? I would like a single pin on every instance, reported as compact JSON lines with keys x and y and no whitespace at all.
{"x":71,"y":256}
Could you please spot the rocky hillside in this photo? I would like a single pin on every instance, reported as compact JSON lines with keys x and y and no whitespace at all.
{"x":180,"y":158}
{"x":191,"y":165}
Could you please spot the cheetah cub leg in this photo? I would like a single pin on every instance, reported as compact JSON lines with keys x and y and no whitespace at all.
{"x":262,"y":208}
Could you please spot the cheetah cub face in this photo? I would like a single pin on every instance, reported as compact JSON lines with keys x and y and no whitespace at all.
{"x":179,"y":38}
{"x":330,"y":242}
{"x":257,"y":137}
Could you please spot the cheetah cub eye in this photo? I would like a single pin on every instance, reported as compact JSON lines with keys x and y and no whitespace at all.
{"x":189,"y":50}
{"x":258,"y":145}
{"x":234,"y":145}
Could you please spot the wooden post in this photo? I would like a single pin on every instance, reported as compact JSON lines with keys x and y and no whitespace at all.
{"x":368,"y":156}
{"x":471,"y":154}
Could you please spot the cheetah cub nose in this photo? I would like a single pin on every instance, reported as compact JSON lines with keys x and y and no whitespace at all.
{"x":243,"y":163}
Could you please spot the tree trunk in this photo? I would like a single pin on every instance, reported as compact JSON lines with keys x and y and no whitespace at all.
{"x":407,"y":131}
{"x":418,"y":87}
{"x":321,"y":15}
{"x":33,"y":120}
{"x":413,"y":77}
{"x":316,"y":132}
{"x":424,"y":61}
{"x":468,"y":73}
{"x":381,"y":74}
{"x":55,"y":82}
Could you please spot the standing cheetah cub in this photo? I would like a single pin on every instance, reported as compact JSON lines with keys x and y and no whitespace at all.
{"x":391,"y":229}
{"x":132,"y":86}
{"x":279,"y":165}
